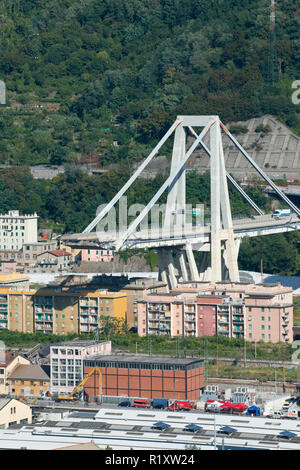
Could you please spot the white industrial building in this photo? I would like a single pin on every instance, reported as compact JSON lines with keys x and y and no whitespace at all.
{"x":155,"y":430}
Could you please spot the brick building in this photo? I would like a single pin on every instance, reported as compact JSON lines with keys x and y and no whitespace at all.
{"x":146,"y":377}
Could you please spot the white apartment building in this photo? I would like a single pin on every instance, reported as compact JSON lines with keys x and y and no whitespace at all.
{"x":16,"y":229}
{"x":66,"y":361}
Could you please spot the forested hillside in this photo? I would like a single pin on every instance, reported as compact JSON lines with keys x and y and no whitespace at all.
{"x":81,"y":74}
{"x":102,"y":80}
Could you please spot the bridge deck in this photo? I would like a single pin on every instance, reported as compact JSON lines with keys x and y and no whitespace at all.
{"x":259,"y":225}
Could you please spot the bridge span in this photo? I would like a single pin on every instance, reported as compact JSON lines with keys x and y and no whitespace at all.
{"x":246,"y":227}
{"x":219,"y":240}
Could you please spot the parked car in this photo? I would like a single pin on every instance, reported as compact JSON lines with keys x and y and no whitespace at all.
{"x":124,"y":403}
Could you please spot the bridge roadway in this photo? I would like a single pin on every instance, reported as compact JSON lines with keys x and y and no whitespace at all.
{"x":247,"y":227}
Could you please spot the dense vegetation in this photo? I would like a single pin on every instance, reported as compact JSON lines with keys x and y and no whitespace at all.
{"x":81,"y":74}
{"x":102,"y":80}
{"x":206,"y":347}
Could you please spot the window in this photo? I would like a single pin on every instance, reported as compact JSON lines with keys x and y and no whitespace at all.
{"x":262,"y":318}
{"x":262,"y":327}
{"x":262,"y":309}
{"x":250,"y":327}
{"x":249,"y":318}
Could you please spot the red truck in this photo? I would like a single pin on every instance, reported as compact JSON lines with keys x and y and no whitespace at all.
{"x":140,"y":403}
{"x":181,"y":405}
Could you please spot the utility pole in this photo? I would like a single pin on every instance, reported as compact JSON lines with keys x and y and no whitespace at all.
{"x":215,"y":433}
{"x":206,"y":362}
{"x":261,"y":271}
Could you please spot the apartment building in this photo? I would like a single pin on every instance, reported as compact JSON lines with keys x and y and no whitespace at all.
{"x":55,"y":260}
{"x":16,"y":310}
{"x":66,"y":362}
{"x":97,"y":256}
{"x":135,"y":288}
{"x":9,"y":266}
{"x":17,"y":229}
{"x":235,"y":310}
{"x":59,"y":312}
{"x":29,"y":252}
{"x":172,"y":314}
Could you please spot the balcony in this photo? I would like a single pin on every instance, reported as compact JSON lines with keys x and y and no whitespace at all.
{"x":190,"y":330}
{"x":223,"y":322}
{"x":222,"y":331}
{"x":190,"y":318}
{"x":238,"y":320}
{"x":153,"y":317}
{"x":43,"y":328}
{"x":44,"y":319}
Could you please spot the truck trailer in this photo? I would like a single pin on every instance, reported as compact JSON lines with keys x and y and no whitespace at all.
{"x":160,"y":403}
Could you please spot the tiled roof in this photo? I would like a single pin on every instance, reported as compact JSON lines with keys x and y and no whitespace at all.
{"x":29,"y":372}
{"x":58,"y":253}
{"x":9,"y":357}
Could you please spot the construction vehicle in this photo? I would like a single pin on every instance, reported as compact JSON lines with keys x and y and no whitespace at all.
{"x":77,"y":391}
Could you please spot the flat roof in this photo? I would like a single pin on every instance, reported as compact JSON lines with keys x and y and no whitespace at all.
{"x":144,"y":359}
{"x":79,"y":342}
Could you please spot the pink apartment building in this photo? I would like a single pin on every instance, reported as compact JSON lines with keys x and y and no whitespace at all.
{"x":95,"y":256}
{"x":255,"y":312}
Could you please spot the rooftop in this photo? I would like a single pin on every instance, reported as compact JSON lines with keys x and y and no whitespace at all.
{"x":29,"y":372}
{"x":145,"y":359}
{"x":3,"y":402}
{"x":79,"y":343}
{"x":57,"y":253}
{"x":12,"y":277}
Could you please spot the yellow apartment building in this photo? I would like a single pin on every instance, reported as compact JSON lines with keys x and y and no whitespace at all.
{"x":60,"y":312}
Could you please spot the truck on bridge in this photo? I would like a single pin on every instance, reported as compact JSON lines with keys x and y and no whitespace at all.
{"x":281,"y":213}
